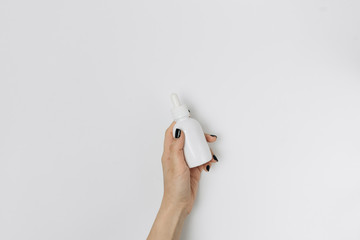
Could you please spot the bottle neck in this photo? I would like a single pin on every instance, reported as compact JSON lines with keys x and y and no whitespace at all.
{"x":181,"y":119}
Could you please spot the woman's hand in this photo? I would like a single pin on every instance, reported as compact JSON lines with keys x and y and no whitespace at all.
{"x":180,"y":186}
{"x":180,"y":182}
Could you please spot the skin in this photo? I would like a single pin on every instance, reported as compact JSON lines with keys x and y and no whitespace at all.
{"x":180,"y":188}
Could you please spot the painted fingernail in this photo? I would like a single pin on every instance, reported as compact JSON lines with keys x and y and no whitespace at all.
{"x":215,"y":158}
{"x":207,"y":167}
{"x":177,"y":133}
{"x":213,"y":136}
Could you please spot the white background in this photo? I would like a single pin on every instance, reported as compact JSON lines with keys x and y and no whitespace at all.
{"x":84,"y":103}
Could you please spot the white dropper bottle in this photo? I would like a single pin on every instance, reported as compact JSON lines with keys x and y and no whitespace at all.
{"x":196,"y":148}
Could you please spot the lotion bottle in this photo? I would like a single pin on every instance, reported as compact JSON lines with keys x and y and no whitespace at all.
{"x":196,"y":148}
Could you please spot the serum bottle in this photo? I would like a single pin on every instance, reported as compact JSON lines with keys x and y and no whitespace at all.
{"x":196,"y":148}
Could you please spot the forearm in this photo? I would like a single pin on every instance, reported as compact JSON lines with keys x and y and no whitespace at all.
{"x":168,"y":223}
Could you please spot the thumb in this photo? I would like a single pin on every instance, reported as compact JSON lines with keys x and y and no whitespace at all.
{"x":177,"y":150}
{"x":178,"y":144}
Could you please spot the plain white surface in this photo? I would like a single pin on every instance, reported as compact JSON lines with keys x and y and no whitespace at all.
{"x":84,"y":103}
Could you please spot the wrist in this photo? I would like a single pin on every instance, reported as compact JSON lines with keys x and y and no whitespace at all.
{"x":176,"y":209}
{"x":169,"y":221}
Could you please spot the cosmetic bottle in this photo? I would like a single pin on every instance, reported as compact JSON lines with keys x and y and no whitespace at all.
{"x":196,"y":148}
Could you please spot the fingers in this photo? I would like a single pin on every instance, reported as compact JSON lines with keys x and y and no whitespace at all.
{"x":207,"y":166}
{"x":175,"y":147}
{"x":210,"y":138}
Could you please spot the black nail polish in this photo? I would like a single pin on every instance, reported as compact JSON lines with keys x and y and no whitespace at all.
{"x":215,"y":158}
{"x":213,"y":136}
{"x":177,"y":133}
{"x":208,"y":168}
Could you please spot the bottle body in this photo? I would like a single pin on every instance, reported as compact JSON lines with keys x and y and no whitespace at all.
{"x":196,"y":148}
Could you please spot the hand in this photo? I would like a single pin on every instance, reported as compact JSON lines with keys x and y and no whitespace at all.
{"x":180,"y":187}
{"x":180,"y":182}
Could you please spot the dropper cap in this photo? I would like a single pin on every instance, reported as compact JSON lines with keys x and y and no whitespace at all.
{"x":179,"y":110}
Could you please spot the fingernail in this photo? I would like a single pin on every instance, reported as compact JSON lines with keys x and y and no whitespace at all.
{"x":213,"y":136}
{"x":215,"y":158}
{"x":177,"y":133}
{"x":207,"y":167}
